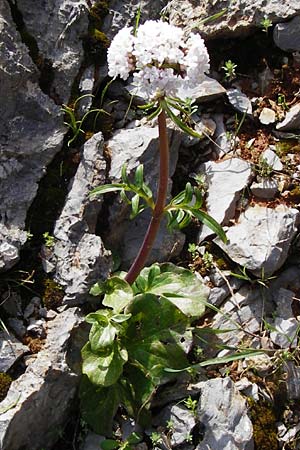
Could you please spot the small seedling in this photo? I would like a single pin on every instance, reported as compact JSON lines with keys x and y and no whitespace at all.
{"x":193,"y":249}
{"x":265,"y":24}
{"x":207,"y":260}
{"x":191,"y":404}
{"x":156,"y":438}
{"x":188,"y":438}
{"x":170,"y":425}
{"x":263,"y":168}
{"x":282,"y":102}
{"x":229,"y":69}
{"x":49,"y":240}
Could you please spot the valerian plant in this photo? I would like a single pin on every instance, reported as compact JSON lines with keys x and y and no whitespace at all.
{"x":147,"y":314}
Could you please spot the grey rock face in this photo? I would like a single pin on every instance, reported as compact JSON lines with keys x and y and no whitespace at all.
{"x":285,"y":324}
{"x":240,"y":314}
{"x":287,"y":35}
{"x":261,"y":239}
{"x":58,"y":26}
{"x":239,"y":18}
{"x":136,"y":146}
{"x":239,"y":101}
{"x":11,"y":351}
{"x":81,"y":258}
{"x":270,"y":157}
{"x":223,"y":412}
{"x":183,"y":421}
{"x":41,"y":398}
{"x":31,"y":133}
{"x":123,"y":12}
{"x":222,"y":196}
{"x":265,"y":188}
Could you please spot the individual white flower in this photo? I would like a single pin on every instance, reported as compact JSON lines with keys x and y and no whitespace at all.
{"x":119,"y":54}
{"x":162,"y":61}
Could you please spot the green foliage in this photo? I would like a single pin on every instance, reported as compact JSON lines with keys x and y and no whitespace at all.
{"x":156,"y":438}
{"x":243,"y":275}
{"x":135,"y":338}
{"x":112,"y":444}
{"x":263,"y":168}
{"x":180,"y":211}
{"x":193,"y":249}
{"x":142,"y":194}
{"x":185,"y":206}
{"x":265,"y":24}
{"x":229,"y":69}
{"x":5,"y":382}
{"x":49,"y":240}
{"x":191,"y":404}
{"x":74,"y":124}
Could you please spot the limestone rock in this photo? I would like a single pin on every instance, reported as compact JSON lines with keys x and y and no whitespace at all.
{"x":31,"y":133}
{"x":11,"y":351}
{"x":265,"y":188}
{"x":292,"y":119}
{"x":267,"y":116}
{"x":261,"y":239}
{"x":208,"y":90}
{"x":223,"y":413}
{"x":222,"y":195}
{"x":270,"y":157}
{"x":136,"y":146}
{"x":183,"y":422}
{"x":58,"y":27}
{"x":285,"y":325}
{"x":81,"y":258}
{"x":39,"y":401}
{"x":287,"y":35}
{"x":239,"y":17}
{"x":122,"y":13}
{"x":239,"y":101}
{"x":240,"y":314}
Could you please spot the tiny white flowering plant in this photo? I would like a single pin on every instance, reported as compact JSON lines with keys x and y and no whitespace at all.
{"x":147,"y":312}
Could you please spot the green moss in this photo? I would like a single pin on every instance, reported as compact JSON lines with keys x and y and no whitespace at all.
{"x":264,"y":425}
{"x":5,"y":382}
{"x":53,"y":294}
{"x":99,"y":10}
{"x":282,"y":148}
{"x":95,"y":43}
{"x":101,"y":38}
{"x":294,"y":194}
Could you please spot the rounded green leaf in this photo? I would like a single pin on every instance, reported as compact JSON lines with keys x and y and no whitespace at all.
{"x":103,"y":369}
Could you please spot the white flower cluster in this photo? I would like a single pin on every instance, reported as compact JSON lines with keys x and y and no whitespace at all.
{"x":162,"y":61}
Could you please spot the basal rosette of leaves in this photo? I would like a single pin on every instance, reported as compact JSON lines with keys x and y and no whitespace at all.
{"x":142,"y":331}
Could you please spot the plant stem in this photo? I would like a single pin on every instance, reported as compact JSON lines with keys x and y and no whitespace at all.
{"x":158,"y":211}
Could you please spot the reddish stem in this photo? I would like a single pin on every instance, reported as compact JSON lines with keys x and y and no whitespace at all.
{"x":158,"y":211}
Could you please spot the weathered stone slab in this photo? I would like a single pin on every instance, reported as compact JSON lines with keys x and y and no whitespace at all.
{"x":10,"y":351}
{"x":261,"y":239}
{"x":287,"y":35}
{"x":58,"y":27}
{"x":39,"y":401}
{"x":291,"y":121}
{"x":80,"y":256}
{"x":122,"y":13}
{"x":223,"y":413}
{"x":222,"y":195}
{"x":31,"y":132}
{"x":239,"y":17}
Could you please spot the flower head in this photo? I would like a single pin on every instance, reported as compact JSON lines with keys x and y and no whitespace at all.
{"x":162,"y":61}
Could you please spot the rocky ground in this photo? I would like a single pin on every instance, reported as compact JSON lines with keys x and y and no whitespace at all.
{"x":55,"y":242}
